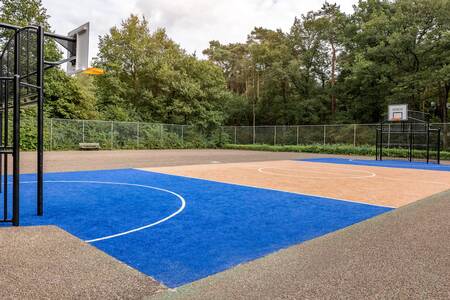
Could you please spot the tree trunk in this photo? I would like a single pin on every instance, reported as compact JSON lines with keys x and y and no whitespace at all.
{"x":443,"y":99}
{"x":333,"y":78}
{"x":285,"y":104}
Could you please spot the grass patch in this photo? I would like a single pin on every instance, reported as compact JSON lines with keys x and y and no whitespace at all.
{"x":343,"y":149}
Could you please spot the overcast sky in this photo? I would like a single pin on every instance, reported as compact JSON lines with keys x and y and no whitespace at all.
{"x":191,"y":23}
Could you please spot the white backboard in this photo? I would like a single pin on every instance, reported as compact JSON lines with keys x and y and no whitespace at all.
{"x":398,"y":112}
{"x":81,"y":62}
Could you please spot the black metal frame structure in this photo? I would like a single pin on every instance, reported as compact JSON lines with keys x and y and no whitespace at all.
{"x":416,"y":132}
{"x":22,"y":67}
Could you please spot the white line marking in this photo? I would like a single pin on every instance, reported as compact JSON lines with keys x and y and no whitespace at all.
{"x":384,"y":164}
{"x":182,"y":207}
{"x":333,"y":175}
{"x":266,"y":188}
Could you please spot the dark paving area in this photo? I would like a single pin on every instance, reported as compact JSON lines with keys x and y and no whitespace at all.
{"x":103,"y":160}
{"x":48,"y":263}
{"x":399,"y":255}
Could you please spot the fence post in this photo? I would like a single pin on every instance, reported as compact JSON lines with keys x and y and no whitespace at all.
{"x":297,"y":134}
{"x":112,"y":135}
{"x":182,"y":134}
{"x":82,"y":122}
{"x":235,"y":135}
{"x":275,"y":135}
{"x":51,"y":134}
{"x":324,"y":134}
{"x":354,"y":135}
{"x":389,"y":136}
{"x":161,"y":133}
{"x":137,"y":135}
{"x":254,"y":134}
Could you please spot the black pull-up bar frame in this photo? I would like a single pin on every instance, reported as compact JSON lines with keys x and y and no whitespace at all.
{"x":11,"y":80}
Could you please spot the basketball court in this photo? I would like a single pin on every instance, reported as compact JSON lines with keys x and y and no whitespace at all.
{"x":183,"y":223}
{"x":184,"y":220}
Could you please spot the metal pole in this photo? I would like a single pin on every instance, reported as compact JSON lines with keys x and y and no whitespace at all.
{"x":274,"y":135}
{"x":381,"y":141}
{"x":182,"y":134}
{"x":354,"y":135}
{"x":51,"y":134}
{"x":5,"y":161}
{"x":137,"y":135}
{"x":235,"y":135}
{"x":16,"y":131}
{"x":428,"y":143}
{"x":410,"y":142}
{"x":112,"y":135}
{"x":376,"y":144}
{"x":324,"y":134}
{"x":82,"y":131}
{"x":16,"y":148}
{"x":389,"y":136}
{"x":40,"y":119}
{"x":297,"y":134}
{"x":1,"y":143}
{"x":439,"y":147}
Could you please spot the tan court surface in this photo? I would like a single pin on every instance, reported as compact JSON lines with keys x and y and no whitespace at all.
{"x":374,"y":185}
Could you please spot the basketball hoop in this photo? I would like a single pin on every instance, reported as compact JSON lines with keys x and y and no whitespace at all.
{"x":93,"y":71}
{"x":398,"y":113}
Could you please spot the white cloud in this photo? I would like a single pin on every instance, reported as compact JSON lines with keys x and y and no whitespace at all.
{"x":191,"y":23}
{"x":67,"y":15}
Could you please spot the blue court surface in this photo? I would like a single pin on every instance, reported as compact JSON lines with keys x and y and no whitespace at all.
{"x":179,"y":229}
{"x":382,"y":163}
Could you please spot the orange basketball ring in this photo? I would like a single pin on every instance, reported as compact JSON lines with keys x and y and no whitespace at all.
{"x":93,"y":71}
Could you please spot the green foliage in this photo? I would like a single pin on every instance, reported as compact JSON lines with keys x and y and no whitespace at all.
{"x":24,"y":12}
{"x":65,"y":97}
{"x":149,"y":78}
{"x":333,"y":67}
{"x":330,"y":67}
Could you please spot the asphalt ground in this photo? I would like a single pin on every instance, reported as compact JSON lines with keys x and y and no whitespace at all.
{"x":64,"y":161}
{"x":45,"y":262}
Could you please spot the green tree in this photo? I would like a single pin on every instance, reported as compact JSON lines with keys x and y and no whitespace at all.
{"x":150,"y":78}
{"x":64,"y":97}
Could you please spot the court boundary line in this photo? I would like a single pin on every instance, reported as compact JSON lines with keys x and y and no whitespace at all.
{"x":368,"y":163}
{"x":357,"y":166}
{"x":178,"y":211}
{"x":261,"y":170}
{"x":269,"y":189}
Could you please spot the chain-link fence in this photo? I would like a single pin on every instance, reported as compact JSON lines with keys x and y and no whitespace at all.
{"x":349,"y":134}
{"x":66,"y":134}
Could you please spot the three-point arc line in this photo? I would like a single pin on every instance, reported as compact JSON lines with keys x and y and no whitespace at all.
{"x":180,"y":209}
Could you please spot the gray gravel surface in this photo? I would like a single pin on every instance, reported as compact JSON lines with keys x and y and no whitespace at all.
{"x":104,"y":160}
{"x":48,"y":263}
